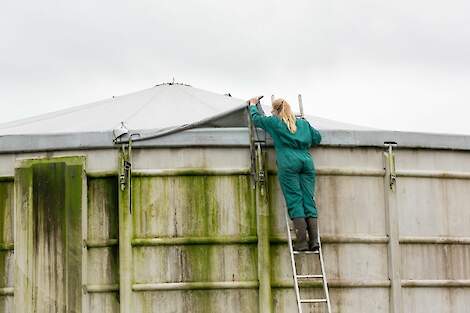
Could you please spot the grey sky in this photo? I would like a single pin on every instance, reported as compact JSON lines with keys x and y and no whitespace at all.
{"x":396,"y":65}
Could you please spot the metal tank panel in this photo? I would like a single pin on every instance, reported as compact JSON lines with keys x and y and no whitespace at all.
{"x":193,"y":231}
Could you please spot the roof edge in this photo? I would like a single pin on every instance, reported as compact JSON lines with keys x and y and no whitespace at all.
{"x":228,"y":137}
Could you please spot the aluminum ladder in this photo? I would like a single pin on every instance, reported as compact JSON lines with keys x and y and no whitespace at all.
{"x":296,"y":276}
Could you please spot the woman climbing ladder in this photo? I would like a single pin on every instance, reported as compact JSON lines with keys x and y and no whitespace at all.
{"x":296,"y":173}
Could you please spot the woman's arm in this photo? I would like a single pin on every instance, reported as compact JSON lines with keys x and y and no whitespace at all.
{"x":259,"y":120}
{"x":315,"y":134}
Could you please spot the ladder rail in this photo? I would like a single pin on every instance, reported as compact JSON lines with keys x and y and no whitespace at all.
{"x":294,"y":270}
{"x":325,"y":283}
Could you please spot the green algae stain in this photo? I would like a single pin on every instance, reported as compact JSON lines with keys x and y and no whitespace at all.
{"x":200,"y":193}
{"x":103,"y":217}
{"x":245,"y":203}
{"x":56,"y":209}
{"x":49,"y":203}
{"x":188,"y":205}
{"x":73,"y":234}
{"x":103,"y":208}
{"x":198,"y":199}
{"x":193,"y":199}
{"x":6,"y":229}
{"x":199,"y":264}
{"x":5,"y":196}
{"x":151,"y":206}
{"x":3,"y":268}
{"x":272,"y":199}
{"x":69,"y":160}
{"x":3,"y":208}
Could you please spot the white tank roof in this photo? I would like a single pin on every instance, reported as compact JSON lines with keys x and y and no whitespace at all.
{"x":161,"y":107}
{"x":177,"y":115}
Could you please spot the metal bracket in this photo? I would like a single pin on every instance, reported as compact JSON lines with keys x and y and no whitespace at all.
{"x":125,"y":172}
{"x":260,"y":173}
{"x":390,"y":156}
{"x":125,"y":169}
{"x":251,"y":134}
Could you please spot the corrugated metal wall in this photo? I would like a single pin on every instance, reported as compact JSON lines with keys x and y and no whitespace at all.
{"x":194,"y":232}
{"x":433,"y":204}
{"x":193,"y":245}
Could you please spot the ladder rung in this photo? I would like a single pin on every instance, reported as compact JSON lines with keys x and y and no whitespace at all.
{"x":306,"y":252}
{"x":309,"y":276}
{"x":312,"y":300}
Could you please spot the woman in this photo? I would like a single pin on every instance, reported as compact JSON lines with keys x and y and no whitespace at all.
{"x":292,"y":140}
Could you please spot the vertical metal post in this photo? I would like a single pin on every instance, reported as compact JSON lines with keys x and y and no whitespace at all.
{"x":392,"y":229}
{"x":75,"y":191}
{"x":50,"y":191}
{"x":301,"y":106}
{"x":24,"y":238}
{"x":259,"y":180}
{"x":262,"y":214}
{"x":85,"y":296}
{"x":125,"y":234}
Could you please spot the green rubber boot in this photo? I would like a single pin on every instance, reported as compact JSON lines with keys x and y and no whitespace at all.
{"x":312,"y":228}
{"x":300,"y":226}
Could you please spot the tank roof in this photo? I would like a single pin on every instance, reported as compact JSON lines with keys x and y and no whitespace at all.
{"x":175,"y":114}
{"x":160,"y":107}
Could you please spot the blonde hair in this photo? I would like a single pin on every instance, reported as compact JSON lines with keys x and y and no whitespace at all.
{"x":284,"y":111}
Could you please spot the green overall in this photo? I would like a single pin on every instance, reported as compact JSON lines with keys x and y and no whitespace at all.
{"x":296,"y":172}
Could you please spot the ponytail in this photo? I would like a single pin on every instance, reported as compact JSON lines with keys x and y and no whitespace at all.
{"x":285,"y":114}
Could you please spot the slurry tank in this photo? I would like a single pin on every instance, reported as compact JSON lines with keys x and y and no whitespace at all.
{"x":180,"y":231}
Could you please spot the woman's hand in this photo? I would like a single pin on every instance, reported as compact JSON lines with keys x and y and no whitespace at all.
{"x":254,"y":101}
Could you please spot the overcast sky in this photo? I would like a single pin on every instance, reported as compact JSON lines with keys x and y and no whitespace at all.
{"x":401,"y":65}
